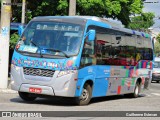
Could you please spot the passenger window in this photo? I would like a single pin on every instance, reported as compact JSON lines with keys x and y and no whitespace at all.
{"x":103,"y":48}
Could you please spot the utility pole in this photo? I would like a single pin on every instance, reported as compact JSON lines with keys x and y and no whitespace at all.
{"x":72,"y":7}
{"x":23,"y":11}
{"x":4,"y":42}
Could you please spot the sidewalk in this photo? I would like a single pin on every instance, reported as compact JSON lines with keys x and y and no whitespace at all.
{"x":8,"y":90}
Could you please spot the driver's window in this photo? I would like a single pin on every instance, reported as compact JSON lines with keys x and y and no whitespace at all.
{"x":88,"y":54}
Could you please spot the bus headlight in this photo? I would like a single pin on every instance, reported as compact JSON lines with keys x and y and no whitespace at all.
{"x":15,"y":68}
{"x":62,"y":73}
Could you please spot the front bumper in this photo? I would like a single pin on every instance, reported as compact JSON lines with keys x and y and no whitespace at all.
{"x":56,"y":86}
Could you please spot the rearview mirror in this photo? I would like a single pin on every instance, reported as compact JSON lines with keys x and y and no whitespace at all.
{"x":91,"y":35}
{"x":20,"y":29}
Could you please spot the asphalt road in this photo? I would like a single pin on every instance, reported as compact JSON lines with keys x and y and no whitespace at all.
{"x":148,"y":101}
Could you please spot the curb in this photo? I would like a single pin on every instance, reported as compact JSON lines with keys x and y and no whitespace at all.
{"x":7,"y":91}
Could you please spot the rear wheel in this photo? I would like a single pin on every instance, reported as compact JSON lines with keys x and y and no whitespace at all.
{"x":136,"y":92}
{"x":86,"y":95}
{"x":26,"y":96}
{"x":157,"y":81}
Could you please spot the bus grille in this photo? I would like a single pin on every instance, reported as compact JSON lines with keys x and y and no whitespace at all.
{"x":38,"y":72}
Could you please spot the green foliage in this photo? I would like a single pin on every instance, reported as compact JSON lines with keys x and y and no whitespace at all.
{"x":157,"y":48}
{"x":40,"y":8}
{"x":13,"y":40}
{"x":144,"y":21}
{"x":158,"y":38}
{"x":120,"y":9}
{"x":63,"y":5}
{"x":116,"y":9}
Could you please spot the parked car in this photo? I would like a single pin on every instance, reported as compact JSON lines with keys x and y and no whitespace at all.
{"x":156,"y":70}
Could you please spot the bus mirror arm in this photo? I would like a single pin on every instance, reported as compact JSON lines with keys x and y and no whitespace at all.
{"x":91,"y":35}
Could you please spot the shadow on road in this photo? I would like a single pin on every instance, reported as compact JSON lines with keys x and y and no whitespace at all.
{"x":46,"y":101}
{"x":111,"y":98}
{"x":61,"y":101}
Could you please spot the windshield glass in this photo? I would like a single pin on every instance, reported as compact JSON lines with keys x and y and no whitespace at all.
{"x":54,"y":38}
{"x":156,"y":64}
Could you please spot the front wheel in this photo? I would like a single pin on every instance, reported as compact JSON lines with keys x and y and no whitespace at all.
{"x":26,"y":96}
{"x":86,"y":95}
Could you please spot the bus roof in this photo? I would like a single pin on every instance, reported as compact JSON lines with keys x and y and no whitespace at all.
{"x":81,"y":19}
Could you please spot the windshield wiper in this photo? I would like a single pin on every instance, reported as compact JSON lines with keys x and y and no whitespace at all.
{"x":38,"y":47}
{"x":55,"y":50}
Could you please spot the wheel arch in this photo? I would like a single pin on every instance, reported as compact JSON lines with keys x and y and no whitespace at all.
{"x":89,"y":80}
{"x":139,"y":80}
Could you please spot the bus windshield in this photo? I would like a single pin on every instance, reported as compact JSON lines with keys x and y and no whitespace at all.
{"x":51,"y":38}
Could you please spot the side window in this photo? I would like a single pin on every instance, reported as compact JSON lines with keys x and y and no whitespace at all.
{"x":151,"y":53}
{"x":130,"y":55}
{"x":130,"y":50}
{"x":116,"y":49}
{"x":148,"y":55}
{"x":139,"y":48}
{"x":103,"y":48}
{"x":144,"y":49}
{"x":88,"y":56}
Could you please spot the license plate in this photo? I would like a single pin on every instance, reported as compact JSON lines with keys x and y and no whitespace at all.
{"x":35,"y":90}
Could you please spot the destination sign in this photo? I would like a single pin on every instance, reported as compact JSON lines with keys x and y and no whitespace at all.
{"x":58,"y":27}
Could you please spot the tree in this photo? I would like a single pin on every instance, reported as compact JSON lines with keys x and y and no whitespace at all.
{"x":116,"y":9}
{"x":143,"y":21}
{"x":13,"y":40}
{"x":158,"y":38}
{"x":157,"y":45}
{"x":41,"y":8}
{"x":157,"y":48}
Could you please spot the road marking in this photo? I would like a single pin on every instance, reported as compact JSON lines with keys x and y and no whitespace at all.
{"x":157,"y":94}
{"x":148,"y":95}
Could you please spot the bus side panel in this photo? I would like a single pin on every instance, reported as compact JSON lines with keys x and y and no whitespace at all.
{"x":120,"y":81}
{"x":98,"y":75}
{"x":100,"y":87}
{"x":112,"y":80}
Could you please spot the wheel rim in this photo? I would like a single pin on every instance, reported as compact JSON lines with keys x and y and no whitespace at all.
{"x":85,"y":95}
{"x":137,"y":90}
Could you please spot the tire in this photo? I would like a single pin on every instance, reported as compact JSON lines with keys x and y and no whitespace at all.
{"x":26,"y":96}
{"x":152,"y":81}
{"x":136,"y":92}
{"x":86,"y":95}
{"x":157,"y":81}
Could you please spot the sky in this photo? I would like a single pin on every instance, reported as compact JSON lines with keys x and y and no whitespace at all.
{"x":155,"y":8}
